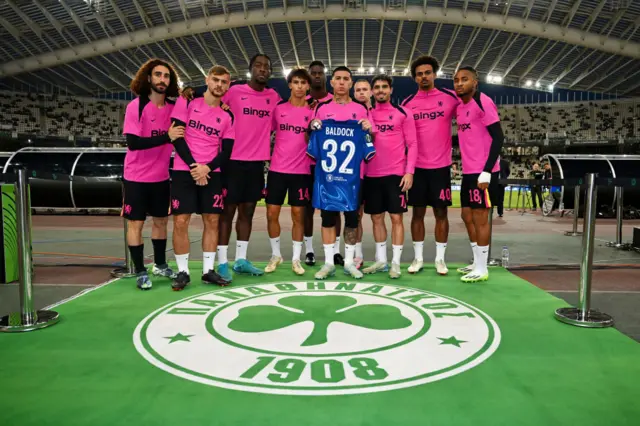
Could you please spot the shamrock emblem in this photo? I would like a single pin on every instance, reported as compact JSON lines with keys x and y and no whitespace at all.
{"x":127,"y":208}
{"x":175,"y":204}
{"x":321,"y":311}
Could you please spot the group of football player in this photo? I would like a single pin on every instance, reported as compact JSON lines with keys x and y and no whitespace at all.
{"x":330,"y":152}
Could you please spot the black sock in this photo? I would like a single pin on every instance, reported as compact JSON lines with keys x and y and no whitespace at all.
{"x":159,"y":252}
{"x":137,"y":255}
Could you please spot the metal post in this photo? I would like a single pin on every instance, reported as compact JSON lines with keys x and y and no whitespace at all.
{"x":619,"y":217}
{"x":576,"y":213}
{"x":28,"y":318}
{"x":583,"y":315}
{"x":127,"y":270}
{"x":510,"y":195}
{"x":490,"y":261}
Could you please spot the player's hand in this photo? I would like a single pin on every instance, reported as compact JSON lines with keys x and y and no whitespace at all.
{"x":483,"y":180}
{"x":407,"y":182}
{"x":187,"y":93}
{"x":202,"y":182}
{"x":315,"y":124}
{"x":366,"y":124}
{"x":199,"y":171}
{"x":224,"y":106}
{"x":175,"y":132}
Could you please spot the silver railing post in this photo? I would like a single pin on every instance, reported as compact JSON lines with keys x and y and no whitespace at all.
{"x":127,"y":270}
{"x":576,"y":212}
{"x":583,"y":315}
{"x":619,"y":217}
{"x":490,"y":261}
{"x":28,"y":318}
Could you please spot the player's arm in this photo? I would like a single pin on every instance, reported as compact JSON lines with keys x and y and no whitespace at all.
{"x":181,"y":146}
{"x":491,"y":120}
{"x":137,"y":143}
{"x":497,"y":140}
{"x":411,"y":144}
{"x":223,"y":156}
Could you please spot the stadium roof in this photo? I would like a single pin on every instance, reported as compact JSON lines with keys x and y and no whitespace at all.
{"x":95,"y":46}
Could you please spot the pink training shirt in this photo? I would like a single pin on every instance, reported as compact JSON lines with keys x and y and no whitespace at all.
{"x":290,"y":150}
{"x":475,"y":141}
{"x":205,"y":127}
{"x":252,"y":111}
{"x":353,"y":110}
{"x":433,"y":112}
{"x":396,"y":130}
{"x":144,"y":119}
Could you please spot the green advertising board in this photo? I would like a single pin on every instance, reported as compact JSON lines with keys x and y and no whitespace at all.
{"x":8,"y":236}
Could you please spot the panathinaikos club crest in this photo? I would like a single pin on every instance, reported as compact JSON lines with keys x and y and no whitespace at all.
{"x":317,"y":338}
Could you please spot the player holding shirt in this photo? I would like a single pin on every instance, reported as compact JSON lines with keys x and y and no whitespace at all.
{"x":390,"y":174}
{"x":481,"y":138}
{"x":197,"y":185}
{"x":146,"y":185}
{"x":290,"y":168}
{"x":340,"y":108}
{"x":362,"y":94}
{"x":320,"y":94}
{"x":252,"y":105}
{"x":433,"y":110}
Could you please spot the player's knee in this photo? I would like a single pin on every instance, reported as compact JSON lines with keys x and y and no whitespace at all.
{"x":396,"y":219}
{"x":160,"y":222}
{"x":297,"y":215}
{"x":351,"y":220}
{"x":211,"y":220}
{"x":181,"y":222}
{"x":273,"y":214}
{"x":329,"y":219}
{"x":246,"y":210}
{"x":418,"y":214}
{"x":135,"y":225}
{"x":377,"y":219}
{"x":440,"y":213}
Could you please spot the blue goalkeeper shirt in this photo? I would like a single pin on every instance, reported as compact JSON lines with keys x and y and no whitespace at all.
{"x":339,"y":148}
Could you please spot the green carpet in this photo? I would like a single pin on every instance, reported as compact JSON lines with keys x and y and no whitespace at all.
{"x":533,"y":370}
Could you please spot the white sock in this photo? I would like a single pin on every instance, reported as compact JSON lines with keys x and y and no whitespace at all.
{"x":241,"y":250}
{"x":481,"y":260}
{"x":418,"y":248}
{"x":440,"y":249}
{"x":349,"y":254}
{"x":183,"y":262}
{"x":328,"y":253}
{"x":381,"y":252}
{"x":359,"y":251}
{"x":397,"y":253}
{"x":222,"y":255}
{"x":297,"y":249}
{"x":308,"y":244}
{"x":208,"y":260}
{"x":275,"y":246}
{"x":474,"y":250}
{"x":336,"y":246}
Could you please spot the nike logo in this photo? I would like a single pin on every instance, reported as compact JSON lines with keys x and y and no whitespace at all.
{"x":153,"y":119}
{"x":283,"y":115}
{"x":195,"y":110}
{"x":244,"y":99}
{"x":329,"y":115}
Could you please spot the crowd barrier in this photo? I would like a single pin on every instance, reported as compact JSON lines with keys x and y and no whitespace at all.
{"x":583,"y":316}
{"x":28,"y":318}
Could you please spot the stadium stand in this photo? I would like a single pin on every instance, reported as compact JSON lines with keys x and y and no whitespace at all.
{"x":58,"y":115}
